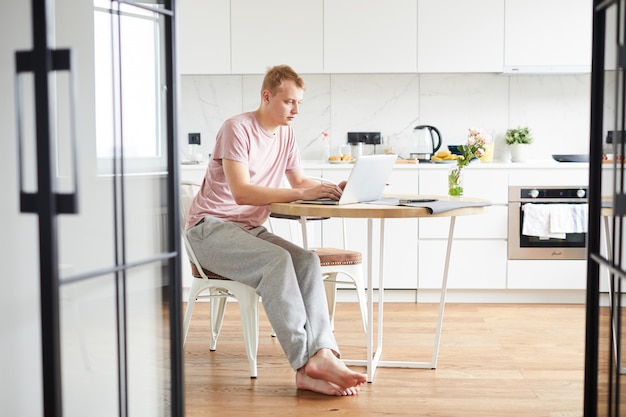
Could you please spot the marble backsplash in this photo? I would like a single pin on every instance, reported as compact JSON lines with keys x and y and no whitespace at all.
{"x":555,"y":107}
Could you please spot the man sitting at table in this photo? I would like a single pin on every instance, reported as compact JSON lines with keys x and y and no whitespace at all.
{"x":253,"y":152}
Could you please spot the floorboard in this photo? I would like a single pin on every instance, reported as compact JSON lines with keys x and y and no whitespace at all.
{"x":495,"y":360}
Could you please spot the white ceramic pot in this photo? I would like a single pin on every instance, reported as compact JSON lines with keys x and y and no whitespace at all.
{"x":520,"y":152}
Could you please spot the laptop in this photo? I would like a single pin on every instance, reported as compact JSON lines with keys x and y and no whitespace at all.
{"x":366,"y":182}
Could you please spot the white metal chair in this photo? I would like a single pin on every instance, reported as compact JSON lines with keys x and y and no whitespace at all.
{"x":339,"y":266}
{"x":219,"y":289}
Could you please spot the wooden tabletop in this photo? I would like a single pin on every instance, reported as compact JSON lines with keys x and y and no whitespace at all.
{"x":373,"y":211}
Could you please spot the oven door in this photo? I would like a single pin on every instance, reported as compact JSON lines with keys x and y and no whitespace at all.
{"x":572,"y":246}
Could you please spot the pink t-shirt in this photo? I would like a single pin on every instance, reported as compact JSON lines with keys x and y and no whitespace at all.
{"x":268,"y":158}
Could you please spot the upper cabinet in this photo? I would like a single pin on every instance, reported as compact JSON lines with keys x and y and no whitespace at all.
{"x":547,"y":35}
{"x":460,"y":36}
{"x":272,"y":32}
{"x":204,"y":37}
{"x":370,"y":36}
{"x":392,"y":36}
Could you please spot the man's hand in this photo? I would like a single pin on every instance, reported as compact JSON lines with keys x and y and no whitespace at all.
{"x":324,"y":190}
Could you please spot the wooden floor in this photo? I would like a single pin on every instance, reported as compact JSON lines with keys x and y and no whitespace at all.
{"x":495,"y":360}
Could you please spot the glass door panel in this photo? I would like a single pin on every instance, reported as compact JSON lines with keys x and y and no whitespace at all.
{"x":119,"y":279}
{"x":89,"y":347}
{"x":149,"y":353}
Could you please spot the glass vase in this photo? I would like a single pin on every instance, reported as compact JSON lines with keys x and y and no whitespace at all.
{"x":455,"y":182}
{"x":325,"y":149}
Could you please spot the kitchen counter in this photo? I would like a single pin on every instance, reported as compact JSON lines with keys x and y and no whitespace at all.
{"x":539,"y":164}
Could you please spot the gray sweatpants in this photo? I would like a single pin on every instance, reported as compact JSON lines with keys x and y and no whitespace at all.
{"x":286,"y":276}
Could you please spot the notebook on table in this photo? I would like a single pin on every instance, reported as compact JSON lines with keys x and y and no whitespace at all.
{"x":366,"y":182}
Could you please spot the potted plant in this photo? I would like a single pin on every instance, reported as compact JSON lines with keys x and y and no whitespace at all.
{"x":519,"y":141}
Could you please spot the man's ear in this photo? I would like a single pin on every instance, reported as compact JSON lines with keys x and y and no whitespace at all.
{"x":266,"y":96}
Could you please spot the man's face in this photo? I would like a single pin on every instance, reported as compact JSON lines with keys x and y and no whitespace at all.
{"x":285,"y":104}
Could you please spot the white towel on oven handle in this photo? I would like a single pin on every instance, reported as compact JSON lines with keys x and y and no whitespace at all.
{"x":537,"y":221}
{"x":568,"y":218}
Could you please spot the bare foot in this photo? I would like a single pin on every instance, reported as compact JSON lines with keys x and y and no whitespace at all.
{"x":303,"y":381}
{"x":324,"y":365}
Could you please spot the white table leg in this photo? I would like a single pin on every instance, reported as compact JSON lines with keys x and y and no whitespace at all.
{"x":444,"y":290}
{"x":370,"y":306}
{"x":442,"y":302}
{"x":373,"y":356}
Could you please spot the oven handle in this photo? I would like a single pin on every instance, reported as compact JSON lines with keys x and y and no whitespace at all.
{"x":550,"y":201}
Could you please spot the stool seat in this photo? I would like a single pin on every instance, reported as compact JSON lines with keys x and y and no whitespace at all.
{"x":211,"y":275}
{"x":336,"y":256}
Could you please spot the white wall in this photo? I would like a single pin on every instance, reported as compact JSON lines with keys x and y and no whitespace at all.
{"x":556,"y":107}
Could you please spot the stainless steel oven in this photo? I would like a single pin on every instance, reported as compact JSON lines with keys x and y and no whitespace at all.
{"x":563,"y":246}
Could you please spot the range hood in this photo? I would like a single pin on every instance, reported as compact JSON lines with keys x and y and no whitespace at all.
{"x":547,"y":69}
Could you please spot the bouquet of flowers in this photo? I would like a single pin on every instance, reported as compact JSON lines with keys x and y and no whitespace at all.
{"x":477,"y":139}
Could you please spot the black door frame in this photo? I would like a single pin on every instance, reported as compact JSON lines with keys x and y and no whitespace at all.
{"x":603,"y":350}
{"x":47,"y":204}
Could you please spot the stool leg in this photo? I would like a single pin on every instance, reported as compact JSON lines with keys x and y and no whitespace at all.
{"x":218,"y":306}
{"x":330,"y":287}
{"x":249,"y":311}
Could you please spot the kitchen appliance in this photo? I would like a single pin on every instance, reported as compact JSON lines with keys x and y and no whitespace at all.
{"x":354,"y":149}
{"x":356,"y":140}
{"x":567,"y":246}
{"x":426,"y":142}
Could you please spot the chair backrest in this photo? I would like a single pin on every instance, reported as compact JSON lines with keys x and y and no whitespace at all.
{"x":188,"y":190}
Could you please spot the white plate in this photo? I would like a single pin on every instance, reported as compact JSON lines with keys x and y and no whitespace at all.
{"x":444,"y":162}
{"x":342,"y":162}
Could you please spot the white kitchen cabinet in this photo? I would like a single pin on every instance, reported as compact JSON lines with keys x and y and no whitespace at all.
{"x":460,"y":36}
{"x":403,"y":181}
{"x":370,"y":36}
{"x":568,"y":174}
{"x":479,"y":250}
{"x":547,"y":274}
{"x":401,"y":238}
{"x":204,"y":37}
{"x":273,"y":32}
{"x":475,"y":264}
{"x":493,"y":224}
{"x":479,"y":182}
{"x":547,"y":35}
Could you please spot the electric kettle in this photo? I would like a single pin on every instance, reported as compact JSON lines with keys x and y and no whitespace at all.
{"x":426,"y":142}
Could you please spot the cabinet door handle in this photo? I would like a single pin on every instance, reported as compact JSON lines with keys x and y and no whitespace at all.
{"x":61,"y":61}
